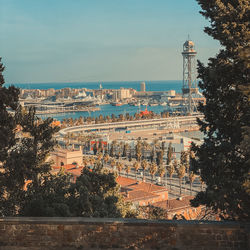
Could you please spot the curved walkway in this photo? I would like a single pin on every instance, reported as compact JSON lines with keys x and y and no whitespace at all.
{"x":170,"y":122}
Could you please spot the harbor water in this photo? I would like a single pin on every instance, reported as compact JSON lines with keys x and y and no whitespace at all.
{"x":107,"y":109}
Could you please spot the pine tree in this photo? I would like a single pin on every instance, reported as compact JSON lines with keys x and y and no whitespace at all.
{"x":25,"y":143}
{"x":96,"y":194}
{"x":8,"y":124}
{"x":223,"y":158}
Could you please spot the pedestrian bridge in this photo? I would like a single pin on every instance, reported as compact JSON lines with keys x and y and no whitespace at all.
{"x":167,"y":123}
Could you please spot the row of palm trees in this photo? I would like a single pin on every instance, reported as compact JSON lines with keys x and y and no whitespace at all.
{"x":147,"y":157}
{"x":69,"y":122}
{"x":174,"y":167}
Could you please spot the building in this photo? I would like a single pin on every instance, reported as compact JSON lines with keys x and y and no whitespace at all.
{"x":180,"y":208}
{"x":143,"y":87}
{"x":121,"y":94}
{"x":62,"y":157}
{"x":141,"y":193}
{"x":72,"y":169}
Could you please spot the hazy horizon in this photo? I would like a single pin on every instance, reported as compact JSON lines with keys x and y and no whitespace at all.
{"x":95,"y":41}
{"x":98,"y":81}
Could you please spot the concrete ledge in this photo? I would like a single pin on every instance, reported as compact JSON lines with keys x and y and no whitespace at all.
{"x":109,"y":233}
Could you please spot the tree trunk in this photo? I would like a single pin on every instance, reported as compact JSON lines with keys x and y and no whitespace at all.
{"x":180,"y":181}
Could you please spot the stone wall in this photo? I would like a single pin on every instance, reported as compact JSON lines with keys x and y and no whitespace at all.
{"x":89,"y":233}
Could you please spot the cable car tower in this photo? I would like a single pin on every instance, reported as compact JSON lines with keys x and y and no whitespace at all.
{"x":189,"y":88}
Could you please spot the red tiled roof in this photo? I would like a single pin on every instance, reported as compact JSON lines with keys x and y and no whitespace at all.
{"x":136,"y":190}
{"x":67,"y":166}
{"x":75,"y":171}
{"x":175,"y":204}
{"x":138,"y":195}
{"x":124,"y":182}
{"x":147,"y":187}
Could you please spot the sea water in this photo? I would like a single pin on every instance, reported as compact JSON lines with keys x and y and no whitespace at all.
{"x":107,"y":109}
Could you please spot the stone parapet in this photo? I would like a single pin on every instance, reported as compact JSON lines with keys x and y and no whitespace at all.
{"x":24,"y":233}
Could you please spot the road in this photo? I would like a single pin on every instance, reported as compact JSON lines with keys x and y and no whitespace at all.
{"x":174,"y":188}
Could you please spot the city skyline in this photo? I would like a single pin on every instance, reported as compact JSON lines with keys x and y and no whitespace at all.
{"x":65,"y":41}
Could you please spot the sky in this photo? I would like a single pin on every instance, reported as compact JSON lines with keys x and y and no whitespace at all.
{"x":99,"y":40}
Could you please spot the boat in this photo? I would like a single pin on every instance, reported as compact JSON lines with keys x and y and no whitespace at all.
{"x":171,"y":104}
{"x":116,"y":103}
{"x":163,"y":104}
{"x":153,"y":104}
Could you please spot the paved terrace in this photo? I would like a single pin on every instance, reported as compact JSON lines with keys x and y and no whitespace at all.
{"x":170,"y":122}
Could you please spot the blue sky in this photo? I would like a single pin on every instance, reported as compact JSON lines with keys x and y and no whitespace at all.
{"x":99,"y":40}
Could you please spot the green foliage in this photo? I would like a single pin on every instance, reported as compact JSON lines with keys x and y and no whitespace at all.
{"x":181,"y":170}
{"x":223,"y":159}
{"x":152,"y":155}
{"x":25,"y":142}
{"x":96,"y":194}
{"x":48,"y":199}
{"x":152,"y":170}
{"x":138,"y":150}
{"x":171,"y":170}
{"x":152,"y":213}
{"x":169,"y":153}
{"x":95,"y":148}
{"x":159,"y":158}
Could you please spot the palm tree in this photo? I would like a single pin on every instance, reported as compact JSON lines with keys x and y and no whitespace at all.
{"x":145,"y":148}
{"x":185,"y":160}
{"x":125,"y":150}
{"x":85,"y":161}
{"x":106,"y":158}
{"x":138,"y":150}
{"x":192,"y":177}
{"x":136,"y":166}
{"x":152,"y":155}
{"x":112,"y":164}
{"x":161,"y":172}
{"x":99,"y":156}
{"x":80,"y":120}
{"x":112,"y":149}
{"x":128,"y":168}
{"x":119,"y":166}
{"x":171,"y":170}
{"x":159,"y":157}
{"x":181,"y":170}
{"x":152,"y":170}
{"x":169,"y":153}
{"x":130,"y":155}
{"x":66,"y":139}
{"x":144,"y":166}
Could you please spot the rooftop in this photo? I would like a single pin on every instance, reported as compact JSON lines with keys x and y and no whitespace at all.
{"x":136,"y":195}
{"x":175,"y":204}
